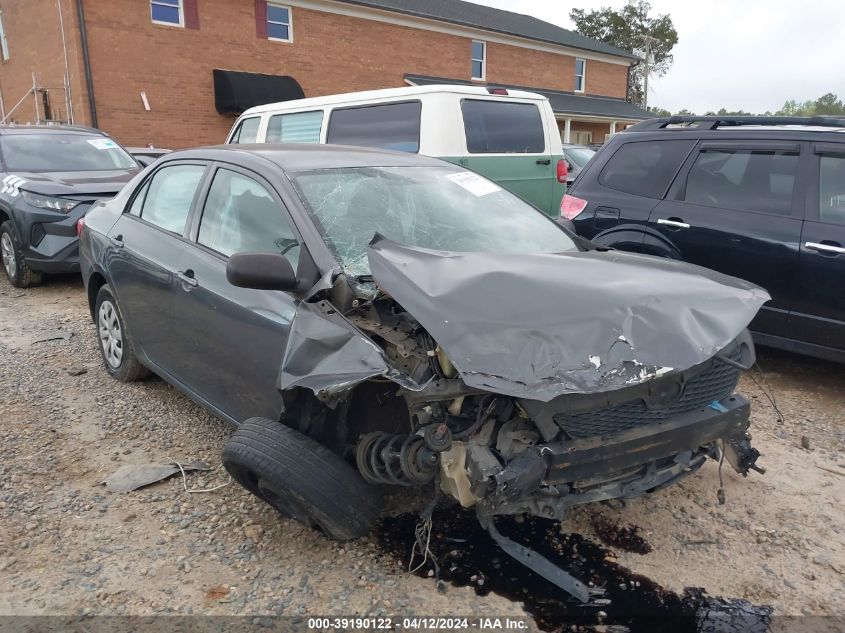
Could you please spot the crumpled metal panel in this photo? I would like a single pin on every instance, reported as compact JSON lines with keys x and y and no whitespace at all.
{"x":327,"y":354}
{"x":539,"y":326}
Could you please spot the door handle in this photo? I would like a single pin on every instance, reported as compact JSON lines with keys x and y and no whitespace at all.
{"x":117,"y":241}
{"x":187,"y":278}
{"x":673,"y":223}
{"x":544,"y":161}
{"x":824,"y":248}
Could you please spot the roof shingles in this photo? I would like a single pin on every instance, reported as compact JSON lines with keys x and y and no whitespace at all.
{"x":497,"y":20}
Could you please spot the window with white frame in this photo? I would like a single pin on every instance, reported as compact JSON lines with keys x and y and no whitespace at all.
{"x":479,"y":59}
{"x":3,"y":42}
{"x":170,"y":12}
{"x":580,"y":74}
{"x":279,"y":25}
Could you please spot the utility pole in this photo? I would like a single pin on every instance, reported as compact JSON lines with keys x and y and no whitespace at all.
{"x":648,"y":39}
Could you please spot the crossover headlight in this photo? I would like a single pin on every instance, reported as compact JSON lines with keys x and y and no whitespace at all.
{"x":62,"y":205}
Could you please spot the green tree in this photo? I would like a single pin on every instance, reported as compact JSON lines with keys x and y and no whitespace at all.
{"x":627,"y":29}
{"x":828,"y":104}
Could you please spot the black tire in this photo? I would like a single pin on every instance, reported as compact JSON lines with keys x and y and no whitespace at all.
{"x":21,"y":275}
{"x":128,"y":368}
{"x":301,"y":479}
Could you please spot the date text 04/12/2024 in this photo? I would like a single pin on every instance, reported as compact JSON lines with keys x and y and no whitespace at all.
{"x":417,"y":623}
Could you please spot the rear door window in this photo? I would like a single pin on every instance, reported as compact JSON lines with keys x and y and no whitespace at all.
{"x":501,"y":127}
{"x":645,"y":168}
{"x":832,"y":189}
{"x":247,"y":131}
{"x":170,"y":196}
{"x":393,"y":126}
{"x":743,"y":179}
{"x":297,"y":127}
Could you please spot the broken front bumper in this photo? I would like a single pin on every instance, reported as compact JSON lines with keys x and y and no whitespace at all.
{"x":548,"y":478}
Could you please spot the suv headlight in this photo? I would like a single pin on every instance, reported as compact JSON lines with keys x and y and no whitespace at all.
{"x":62,"y":205}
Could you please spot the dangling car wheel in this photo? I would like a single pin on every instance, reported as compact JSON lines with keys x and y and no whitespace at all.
{"x":116,"y":345}
{"x":301,"y":479}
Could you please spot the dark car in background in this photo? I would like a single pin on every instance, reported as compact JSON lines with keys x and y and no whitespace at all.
{"x":146,"y":156}
{"x":577,"y":157}
{"x":49,"y":177}
{"x":370,"y":317}
{"x":760,"y":198}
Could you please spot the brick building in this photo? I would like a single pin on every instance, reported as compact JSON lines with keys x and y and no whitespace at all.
{"x":143,"y":70}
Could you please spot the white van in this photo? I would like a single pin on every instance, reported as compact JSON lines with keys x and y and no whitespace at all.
{"x":509,"y":136}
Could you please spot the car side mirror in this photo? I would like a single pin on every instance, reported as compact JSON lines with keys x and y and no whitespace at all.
{"x":261,"y":271}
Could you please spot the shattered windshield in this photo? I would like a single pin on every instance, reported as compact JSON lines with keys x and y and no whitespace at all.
{"x":440,"y":208}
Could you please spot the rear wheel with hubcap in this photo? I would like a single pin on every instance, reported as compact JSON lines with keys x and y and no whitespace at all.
{"x":116,"y":345}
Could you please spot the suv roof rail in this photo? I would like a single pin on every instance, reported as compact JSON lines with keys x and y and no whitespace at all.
{"x":714,"y":122}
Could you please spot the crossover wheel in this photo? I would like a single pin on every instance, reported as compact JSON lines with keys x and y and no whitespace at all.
{"x":17,"y":270}
{"x":116,"y":345}
{"x":301,"y":479}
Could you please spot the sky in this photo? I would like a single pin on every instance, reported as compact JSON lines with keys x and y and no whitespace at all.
{"x":750,"y":55}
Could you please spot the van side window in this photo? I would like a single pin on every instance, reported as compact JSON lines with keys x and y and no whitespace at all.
{"x":499,"y":127}
{"x":393,"y":126}
{"x":832,"y":190}
{"x":645,"y":168}
{"x":247,"y":131}
{"x":754,"y":180}
{"x":297,"y":127}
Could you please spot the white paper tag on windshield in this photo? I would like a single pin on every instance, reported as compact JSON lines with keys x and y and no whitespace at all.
{"x":103,"y":143}
{"x":474,"y":183}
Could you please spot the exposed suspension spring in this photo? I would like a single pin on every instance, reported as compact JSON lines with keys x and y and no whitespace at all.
{"x":402,"y":460}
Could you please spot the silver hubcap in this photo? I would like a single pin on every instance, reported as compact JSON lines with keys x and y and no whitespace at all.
{"x":8,"y":250}
{"x":111,"y":336}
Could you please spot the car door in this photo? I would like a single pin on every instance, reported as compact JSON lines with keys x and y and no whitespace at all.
{"x":147,"y":242}
{"x":233,"y":338}
{"x":507,"y":142}
{"x":818,"y":314}
{"x":735,"y":208}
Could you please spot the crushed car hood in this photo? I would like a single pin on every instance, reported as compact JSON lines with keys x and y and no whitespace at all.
{"x":539,"y":326}
{"x":76,"y":183}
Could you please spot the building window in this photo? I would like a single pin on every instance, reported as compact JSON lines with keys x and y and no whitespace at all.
{"x":3,"y":41}
{"x":167,"y":12}
{"x":580,"y":74}
{"x":479,"y":59}
{"x":279,"y":23}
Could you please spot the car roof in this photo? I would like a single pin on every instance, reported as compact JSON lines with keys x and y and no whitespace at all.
{"x":304,"y":157}
{"x":389,"y":93}
{"x":49,"y":129}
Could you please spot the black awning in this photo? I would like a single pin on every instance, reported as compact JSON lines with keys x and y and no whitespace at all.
{"x":236,"y":91}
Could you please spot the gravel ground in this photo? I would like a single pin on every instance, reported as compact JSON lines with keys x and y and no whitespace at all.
{"x":69,"y":547}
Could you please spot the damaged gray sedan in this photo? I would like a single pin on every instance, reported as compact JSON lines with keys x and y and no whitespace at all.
{"x":369,"y":318}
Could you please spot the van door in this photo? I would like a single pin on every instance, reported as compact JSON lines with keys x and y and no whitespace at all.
{"x":507,"y":142}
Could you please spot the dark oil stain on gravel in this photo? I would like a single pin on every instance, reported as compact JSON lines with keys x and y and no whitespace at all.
{"x":467,"y":556}
{"x":626,"y":537}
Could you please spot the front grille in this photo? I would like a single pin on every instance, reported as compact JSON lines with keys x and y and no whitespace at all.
{"x":714,"y":383}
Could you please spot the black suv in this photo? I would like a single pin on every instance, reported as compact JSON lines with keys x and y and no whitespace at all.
{"x":761,"y":198}
{"x":49,"y":177}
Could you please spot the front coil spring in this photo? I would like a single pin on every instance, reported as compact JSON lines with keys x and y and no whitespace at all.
{"x":401,"y":460}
